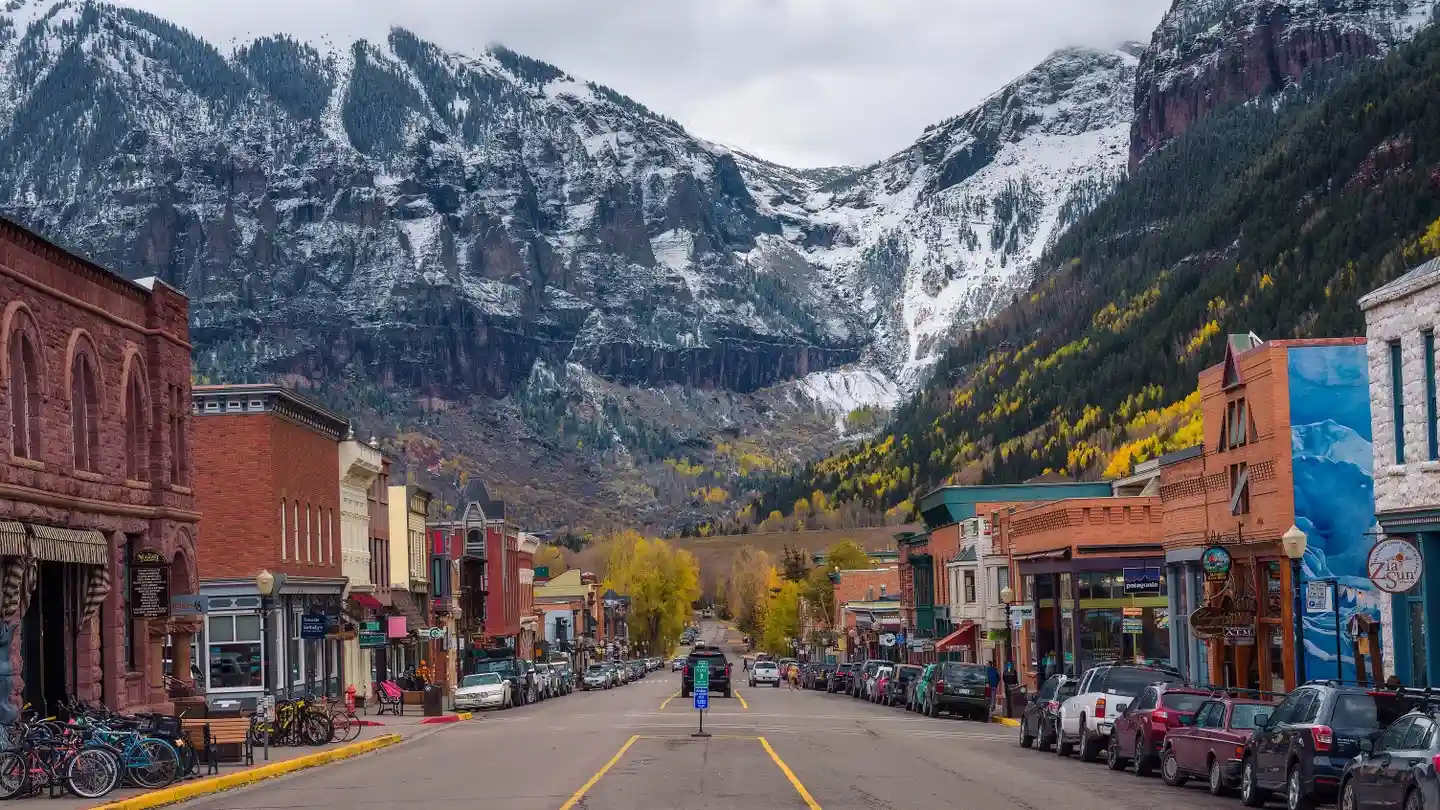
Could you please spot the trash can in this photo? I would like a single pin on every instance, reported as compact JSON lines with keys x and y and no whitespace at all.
{"x":434,"y":700}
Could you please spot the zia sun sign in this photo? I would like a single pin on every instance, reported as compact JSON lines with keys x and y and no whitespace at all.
{"x":1394,"y":565}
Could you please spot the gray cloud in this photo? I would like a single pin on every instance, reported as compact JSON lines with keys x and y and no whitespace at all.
{"x":799,"y":82}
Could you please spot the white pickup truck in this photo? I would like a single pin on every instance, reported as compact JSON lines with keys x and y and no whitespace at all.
{"x":1105,"y":690}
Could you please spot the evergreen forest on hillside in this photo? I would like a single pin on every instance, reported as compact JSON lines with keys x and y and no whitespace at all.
{"x":1274,"y":217}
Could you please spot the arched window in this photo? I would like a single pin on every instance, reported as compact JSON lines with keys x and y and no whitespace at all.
{"x":24,"y":398}
{"x":137,"y":432}
{"x":84,"y":414}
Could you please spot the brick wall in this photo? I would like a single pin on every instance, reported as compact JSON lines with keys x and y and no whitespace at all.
{"x":1077,"y":522}
{"x":858,"y":586}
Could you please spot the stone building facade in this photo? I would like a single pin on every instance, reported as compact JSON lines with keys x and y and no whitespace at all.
{"x":95,"y":470}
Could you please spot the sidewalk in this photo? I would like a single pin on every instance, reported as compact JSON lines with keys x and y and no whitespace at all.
{"x":284,"y":759}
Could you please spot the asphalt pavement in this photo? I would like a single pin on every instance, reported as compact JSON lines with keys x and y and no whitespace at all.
{"x":630,"y":748}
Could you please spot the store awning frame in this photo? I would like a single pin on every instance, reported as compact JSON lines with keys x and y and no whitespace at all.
{"x":953,"y":642}
{"x":77,"y":546}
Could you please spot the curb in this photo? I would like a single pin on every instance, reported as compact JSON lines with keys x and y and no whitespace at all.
{"x":216,"y":784}
{"x":1005,"y":721}
{"x":447,"y":718}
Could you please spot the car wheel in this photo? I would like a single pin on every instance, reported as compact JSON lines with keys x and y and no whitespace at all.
{"x":1250,"y":793}
{"x":1413,"y":800}
{"x":1026,"y":738}
{"x":1143,"y":765}
{"x":1170,"y":768}
{"x":1216,"y":782}
{"x":1063,"y":746}
{"x":1089,"y":744}
{"x":1348,"y":800}
{"x":1043,"y":742}
{"x":1113,"y":760}
{"x":1295,"y":796}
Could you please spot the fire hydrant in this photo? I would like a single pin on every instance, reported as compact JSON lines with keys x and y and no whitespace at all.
{"x":350,"y":698}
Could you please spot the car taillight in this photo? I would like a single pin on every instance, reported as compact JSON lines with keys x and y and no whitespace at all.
{"x":1324,"y":738}
{"x":1240,"y":752}
{"x":1161,"y":716}
{"x":727,"y":670}
{"x":1435,"y":762}
{"x":1100,"y":708}
{"x":1053,"y":705}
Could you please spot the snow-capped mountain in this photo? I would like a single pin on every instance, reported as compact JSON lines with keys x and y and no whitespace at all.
{"x":1210,"y":54}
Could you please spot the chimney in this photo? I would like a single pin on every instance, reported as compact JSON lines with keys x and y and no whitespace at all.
{"x":882,"y":590}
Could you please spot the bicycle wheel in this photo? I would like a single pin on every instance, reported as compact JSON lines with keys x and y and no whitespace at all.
{"x":315,"y":729}
{"x":14,"y":775}
{"x":353,"y":727}
{"x":152,"y":763}
{"x":339,"y":727}
{"x":92,"y":773}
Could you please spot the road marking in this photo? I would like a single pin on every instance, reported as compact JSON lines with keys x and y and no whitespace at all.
{"x":667,"y":701}
{"x":743,"y":704}
{"x":789,"y":774}
{"x":580,"y":794}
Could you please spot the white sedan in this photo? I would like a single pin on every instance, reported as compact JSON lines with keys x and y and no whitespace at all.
{"x":765,"y":672}
{"x":484,"y":691}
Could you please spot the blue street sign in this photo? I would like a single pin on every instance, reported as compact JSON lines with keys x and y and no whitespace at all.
{"x":702,"y":698}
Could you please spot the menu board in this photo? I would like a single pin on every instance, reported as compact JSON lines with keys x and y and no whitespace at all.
{"x":149,"y":586}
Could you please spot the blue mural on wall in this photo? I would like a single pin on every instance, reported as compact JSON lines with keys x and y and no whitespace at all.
{"x":1331,"y":451}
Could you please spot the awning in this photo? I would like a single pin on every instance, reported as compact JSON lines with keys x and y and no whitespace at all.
{"x":365,"y":600}
{"x":1050,"y":554}
{"x":957,"y":640}
{"x":80,"y":546}
{"x":404,"y":603}
{"x":12,"y":538}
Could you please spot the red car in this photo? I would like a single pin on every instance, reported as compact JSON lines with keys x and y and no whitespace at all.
{"x":1140,"y":731}
{"x":1212,"y":746}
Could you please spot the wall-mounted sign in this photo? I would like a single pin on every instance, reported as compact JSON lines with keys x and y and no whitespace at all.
{"x":1142,"y":581}
{"x":1317,"y":597}
{"x":1215,"y":562}
{"x":370,"y":639}
{"x":149,"y":585}
{"x":1225,"y":618}
{"x":1132,"y":612}
{"x":1162,"y":618}
{"x":1394,"y":565}
{"x":887,"y":639}
{"x":187,"y":604}
{"x":312,"y":626}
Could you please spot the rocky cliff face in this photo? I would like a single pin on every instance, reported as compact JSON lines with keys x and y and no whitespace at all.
{"x":1210,"y":54}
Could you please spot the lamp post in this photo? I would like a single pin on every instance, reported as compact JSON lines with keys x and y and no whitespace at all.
{"x":1007,"y":596}
{"x":1293,"y":541}
{"x":265,"y":586}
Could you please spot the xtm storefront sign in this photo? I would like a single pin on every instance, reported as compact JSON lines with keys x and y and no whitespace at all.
{"x":1394,"y":565}
{"x":1215,"y":562}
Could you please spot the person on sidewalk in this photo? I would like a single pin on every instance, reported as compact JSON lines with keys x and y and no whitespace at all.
{"x":993,"y":676}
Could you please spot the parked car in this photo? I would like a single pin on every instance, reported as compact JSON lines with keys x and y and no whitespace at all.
{"x":1211,"y":746}
{"x":677,"y":663}
{"x":596,"y":677}
{"x":1104,"y":692}
{"x":719,"y":671}
{"x":866,"y":673}
{"x":484,"y":691}
{"x":764,"y":673}
{"x":1038,"y":723}
{"x":958,"y":688}
{"x":1307,"y":741}
{"x":1140,"y":732}
{"x":519,"y":673}
{"x":875,"y":689}
{"x":840,"y":678}
{"x":820,"y":676}
{"x":1397,"y":770}
{"x":918,"y":687}
{"x":894,"y":694}
{"x":544,"y":683}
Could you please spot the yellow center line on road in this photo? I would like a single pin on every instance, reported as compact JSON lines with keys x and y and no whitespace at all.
{"x":580,"y":794}
{"x":667,"y":700}
{"x":743,"y":704}
{"x":789,"y":774}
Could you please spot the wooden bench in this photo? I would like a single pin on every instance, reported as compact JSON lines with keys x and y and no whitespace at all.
{"x":388,"y":695}
{"x":208,"y":734}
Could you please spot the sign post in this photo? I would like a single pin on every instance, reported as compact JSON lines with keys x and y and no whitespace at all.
{"x":265,"y":707}
{"x":702,"y":694}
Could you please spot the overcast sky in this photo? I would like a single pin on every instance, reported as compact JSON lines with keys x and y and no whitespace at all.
{"x":799,"y":82}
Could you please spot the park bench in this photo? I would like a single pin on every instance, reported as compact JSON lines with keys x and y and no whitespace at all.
{"x":206,"y":735}
{"x":390,"y":697}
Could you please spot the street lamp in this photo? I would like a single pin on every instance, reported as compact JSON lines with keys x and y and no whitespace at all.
{"x":1007,"y":596}
{"x":1293,"y":541}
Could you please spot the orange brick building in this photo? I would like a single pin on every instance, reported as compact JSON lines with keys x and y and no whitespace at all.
{"x":266,"y":464}
{"x":858,"y":627}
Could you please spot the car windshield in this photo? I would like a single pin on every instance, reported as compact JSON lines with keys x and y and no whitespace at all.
{"x":595,"y":669}
{"x":484,"y":679}
{"x":1133,"y":680}
{"x":1244,"y":715}
{"x":1362,"y":711}
{"x":964,"y":673}
{"x":908,"y":673}
{"x":1182,"y":701}
{"x":502,"y":666}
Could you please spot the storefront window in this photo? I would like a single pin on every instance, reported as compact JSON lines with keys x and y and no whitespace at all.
{"x":292,"y":652}
{"x":236,"y":654}
{"x":1270,"y":577}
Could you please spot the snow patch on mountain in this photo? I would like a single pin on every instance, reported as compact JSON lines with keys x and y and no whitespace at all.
{"x":841,"y":392}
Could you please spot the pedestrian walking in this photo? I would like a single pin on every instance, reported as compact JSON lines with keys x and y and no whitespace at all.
{"x":993,"y":675}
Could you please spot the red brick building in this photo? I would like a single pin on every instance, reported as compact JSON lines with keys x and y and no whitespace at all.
{"x":94,"y":387}
{"x":266,"y":465}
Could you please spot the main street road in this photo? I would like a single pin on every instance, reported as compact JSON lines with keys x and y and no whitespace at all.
{"x":630,"y":749}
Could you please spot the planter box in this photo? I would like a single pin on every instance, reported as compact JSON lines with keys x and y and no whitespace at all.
{"x":413,"y":698}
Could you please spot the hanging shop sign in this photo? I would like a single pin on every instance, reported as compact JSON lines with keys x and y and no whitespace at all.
{"x":887,"y":639}
{"x":1215,"y":562}
{"x":1141,"y":581}
{"x":312,"y":626}
{"x":1395,"y":565}
{"x":149,"y":586}
{"x":1132,"y":626}
{"x":372,"y":639}
{"x":1132,"y":612}
{"x":1226,"y":617}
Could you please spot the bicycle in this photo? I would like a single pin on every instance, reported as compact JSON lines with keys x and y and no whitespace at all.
{"x":344,"y":724}
{"x":50,"y":755}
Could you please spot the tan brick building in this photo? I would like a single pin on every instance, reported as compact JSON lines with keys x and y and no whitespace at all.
{"x":266,"y":466}
{"x":95,"y":473}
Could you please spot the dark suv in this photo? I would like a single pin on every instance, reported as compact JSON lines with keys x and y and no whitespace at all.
{"x":959,"y":689}
{"x":840,"y":679}
{"x":719,"y":671}
{"x":1302,"y":748}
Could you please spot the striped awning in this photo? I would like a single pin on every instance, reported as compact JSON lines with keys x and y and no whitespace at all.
{"x":79,"y":546}
{"x":12,"y":538}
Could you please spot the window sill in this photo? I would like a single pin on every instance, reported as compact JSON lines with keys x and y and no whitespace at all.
{"x":1430,"y":466}
{"x":27,"y":463}
{"x":1396,"y":470}
{"x":136,"y":484}
{"x":181,"y":489}
{"x":86,"y":475}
